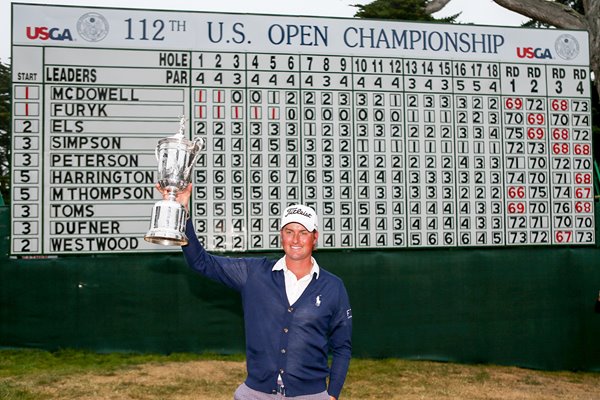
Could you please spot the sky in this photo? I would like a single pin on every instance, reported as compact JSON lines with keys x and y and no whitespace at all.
{"x":480,"y":12}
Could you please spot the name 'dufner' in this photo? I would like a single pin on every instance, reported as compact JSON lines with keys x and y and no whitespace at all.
{"x":85,"y":227}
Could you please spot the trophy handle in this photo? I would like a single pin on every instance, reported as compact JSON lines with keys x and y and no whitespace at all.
{"x":198,"y":146}
{"x":199,"y":142}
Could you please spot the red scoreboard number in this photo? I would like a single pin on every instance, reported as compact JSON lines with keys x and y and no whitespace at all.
{"x":549,"y":183}
{"x":400,"y":135}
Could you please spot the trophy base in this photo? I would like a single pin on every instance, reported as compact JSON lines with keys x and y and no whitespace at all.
{"x":166,"y":238}
{"x":168,"y":224}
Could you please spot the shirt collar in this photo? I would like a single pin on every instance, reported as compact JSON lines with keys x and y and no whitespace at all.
{"x":280,"y":266}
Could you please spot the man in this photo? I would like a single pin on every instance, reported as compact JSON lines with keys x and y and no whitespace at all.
{"x":294,"y":312}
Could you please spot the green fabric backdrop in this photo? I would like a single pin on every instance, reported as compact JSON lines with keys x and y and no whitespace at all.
{"x":531,"y":307}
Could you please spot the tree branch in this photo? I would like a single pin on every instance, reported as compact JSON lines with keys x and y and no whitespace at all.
{"x":549,"y":12}
{"x":433,"y":6}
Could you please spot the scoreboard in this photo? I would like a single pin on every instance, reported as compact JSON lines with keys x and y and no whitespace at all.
{"x":399,"y":134}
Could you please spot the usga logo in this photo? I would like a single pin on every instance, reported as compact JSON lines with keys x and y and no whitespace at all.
{"x":45,"y":33}
{"x":530,"y":52}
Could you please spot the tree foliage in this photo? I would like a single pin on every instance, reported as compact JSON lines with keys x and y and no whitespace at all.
{"x":407,"y":10}
{"x":576,"y":5}
{"x":565,"y":14}
{"x":5,"y":131}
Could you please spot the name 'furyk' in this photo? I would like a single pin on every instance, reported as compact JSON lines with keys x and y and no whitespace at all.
{"x":78,"y":110}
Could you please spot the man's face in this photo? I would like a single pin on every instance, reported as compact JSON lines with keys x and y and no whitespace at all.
{"x":297,"y":242}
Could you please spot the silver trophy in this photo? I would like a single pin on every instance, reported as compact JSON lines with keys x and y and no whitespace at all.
{"x":176,"y":156}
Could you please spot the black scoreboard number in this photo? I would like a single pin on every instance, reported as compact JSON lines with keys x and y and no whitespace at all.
{"x":396,"y":142}
{"x":395,"y":152}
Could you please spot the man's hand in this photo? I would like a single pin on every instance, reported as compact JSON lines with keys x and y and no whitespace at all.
{"x":182,"y":197}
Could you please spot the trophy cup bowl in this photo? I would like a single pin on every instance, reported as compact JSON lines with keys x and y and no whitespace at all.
{"x":176,"y":157}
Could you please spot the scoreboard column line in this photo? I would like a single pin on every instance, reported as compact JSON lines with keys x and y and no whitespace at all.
{"x":454,"y":140}
{"x":43,"y":121}
{"x":503,"y":162}
{"x":549,"y":166}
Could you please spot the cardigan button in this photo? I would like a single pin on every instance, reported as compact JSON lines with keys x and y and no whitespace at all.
{"x":290,"y":309}
{"x":282,"y":351}
{"x":285,"y":330}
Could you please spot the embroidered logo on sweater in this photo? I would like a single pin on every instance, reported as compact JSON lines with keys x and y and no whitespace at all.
{"x":318,"y":301}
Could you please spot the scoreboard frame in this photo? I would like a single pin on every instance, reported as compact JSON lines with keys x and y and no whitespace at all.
{"x":399,"y":134}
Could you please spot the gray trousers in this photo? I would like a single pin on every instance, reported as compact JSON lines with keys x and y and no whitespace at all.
{"x":243,"y":392}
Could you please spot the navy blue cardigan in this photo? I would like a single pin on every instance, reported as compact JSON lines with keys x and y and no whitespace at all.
{"x":291,"y":340}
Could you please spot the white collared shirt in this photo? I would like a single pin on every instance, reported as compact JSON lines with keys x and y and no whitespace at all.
{"x":294,"y":287}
